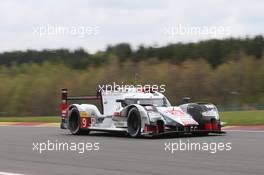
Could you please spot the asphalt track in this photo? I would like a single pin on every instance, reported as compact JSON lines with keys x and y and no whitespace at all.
{"x":119,"y":154}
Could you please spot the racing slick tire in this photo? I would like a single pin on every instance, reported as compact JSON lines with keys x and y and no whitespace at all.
{"x":74,"y":122}
{"x":134,"y":123}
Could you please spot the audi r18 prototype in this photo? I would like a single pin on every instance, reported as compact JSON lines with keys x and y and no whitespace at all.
{"x":137,"y":112}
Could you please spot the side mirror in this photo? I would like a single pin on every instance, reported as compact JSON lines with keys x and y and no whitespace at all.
{"x":186,"y":99}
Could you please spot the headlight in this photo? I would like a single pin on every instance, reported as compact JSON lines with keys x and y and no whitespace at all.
{"x":154,"y":116}
{"x":211,"y":113}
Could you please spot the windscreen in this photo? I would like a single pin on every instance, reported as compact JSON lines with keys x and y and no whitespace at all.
{"x":152,"y":101}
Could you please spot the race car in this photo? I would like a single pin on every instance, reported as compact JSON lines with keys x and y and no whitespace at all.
{"x":137,"y":112}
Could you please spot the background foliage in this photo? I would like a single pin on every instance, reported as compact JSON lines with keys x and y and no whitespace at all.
{"x":225,"y":72}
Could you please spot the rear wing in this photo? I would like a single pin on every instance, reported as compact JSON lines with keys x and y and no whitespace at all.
{"x":65,"y":99}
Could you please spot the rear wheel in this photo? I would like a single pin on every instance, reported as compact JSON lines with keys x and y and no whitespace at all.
{"x":134,"y":123}
{"x":74,"y":122}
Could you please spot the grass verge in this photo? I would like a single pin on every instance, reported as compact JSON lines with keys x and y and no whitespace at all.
{"x":243,"y":117}
{"x":49,"y":119}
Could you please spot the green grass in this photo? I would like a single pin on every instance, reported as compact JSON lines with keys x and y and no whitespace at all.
{"x":53,"y":119}
{"x":243,"y":117}
{"x":231,"y":118}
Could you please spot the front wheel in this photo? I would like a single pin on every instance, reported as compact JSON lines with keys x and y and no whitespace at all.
{"x":74,"y":122}
{"x":134,"y":123}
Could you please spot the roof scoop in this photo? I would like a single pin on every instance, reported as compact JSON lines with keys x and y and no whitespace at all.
{"x":186,"y":100}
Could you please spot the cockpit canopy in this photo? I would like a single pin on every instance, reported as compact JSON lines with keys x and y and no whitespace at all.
{"x":146,"y":101}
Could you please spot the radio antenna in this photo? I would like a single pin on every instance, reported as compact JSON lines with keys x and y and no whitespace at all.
{"x":135,"y":78}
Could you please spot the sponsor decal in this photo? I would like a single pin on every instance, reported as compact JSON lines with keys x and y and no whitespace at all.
{"x":85,"y":122}
{"x":84,"y":114}
{"x":176,"y":112}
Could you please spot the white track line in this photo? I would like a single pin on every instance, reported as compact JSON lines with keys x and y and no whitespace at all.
{"x":237,"y":130}
{"x":9,"y":173}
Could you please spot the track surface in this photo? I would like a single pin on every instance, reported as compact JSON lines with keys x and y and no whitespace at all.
{"x":121,"y":155}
